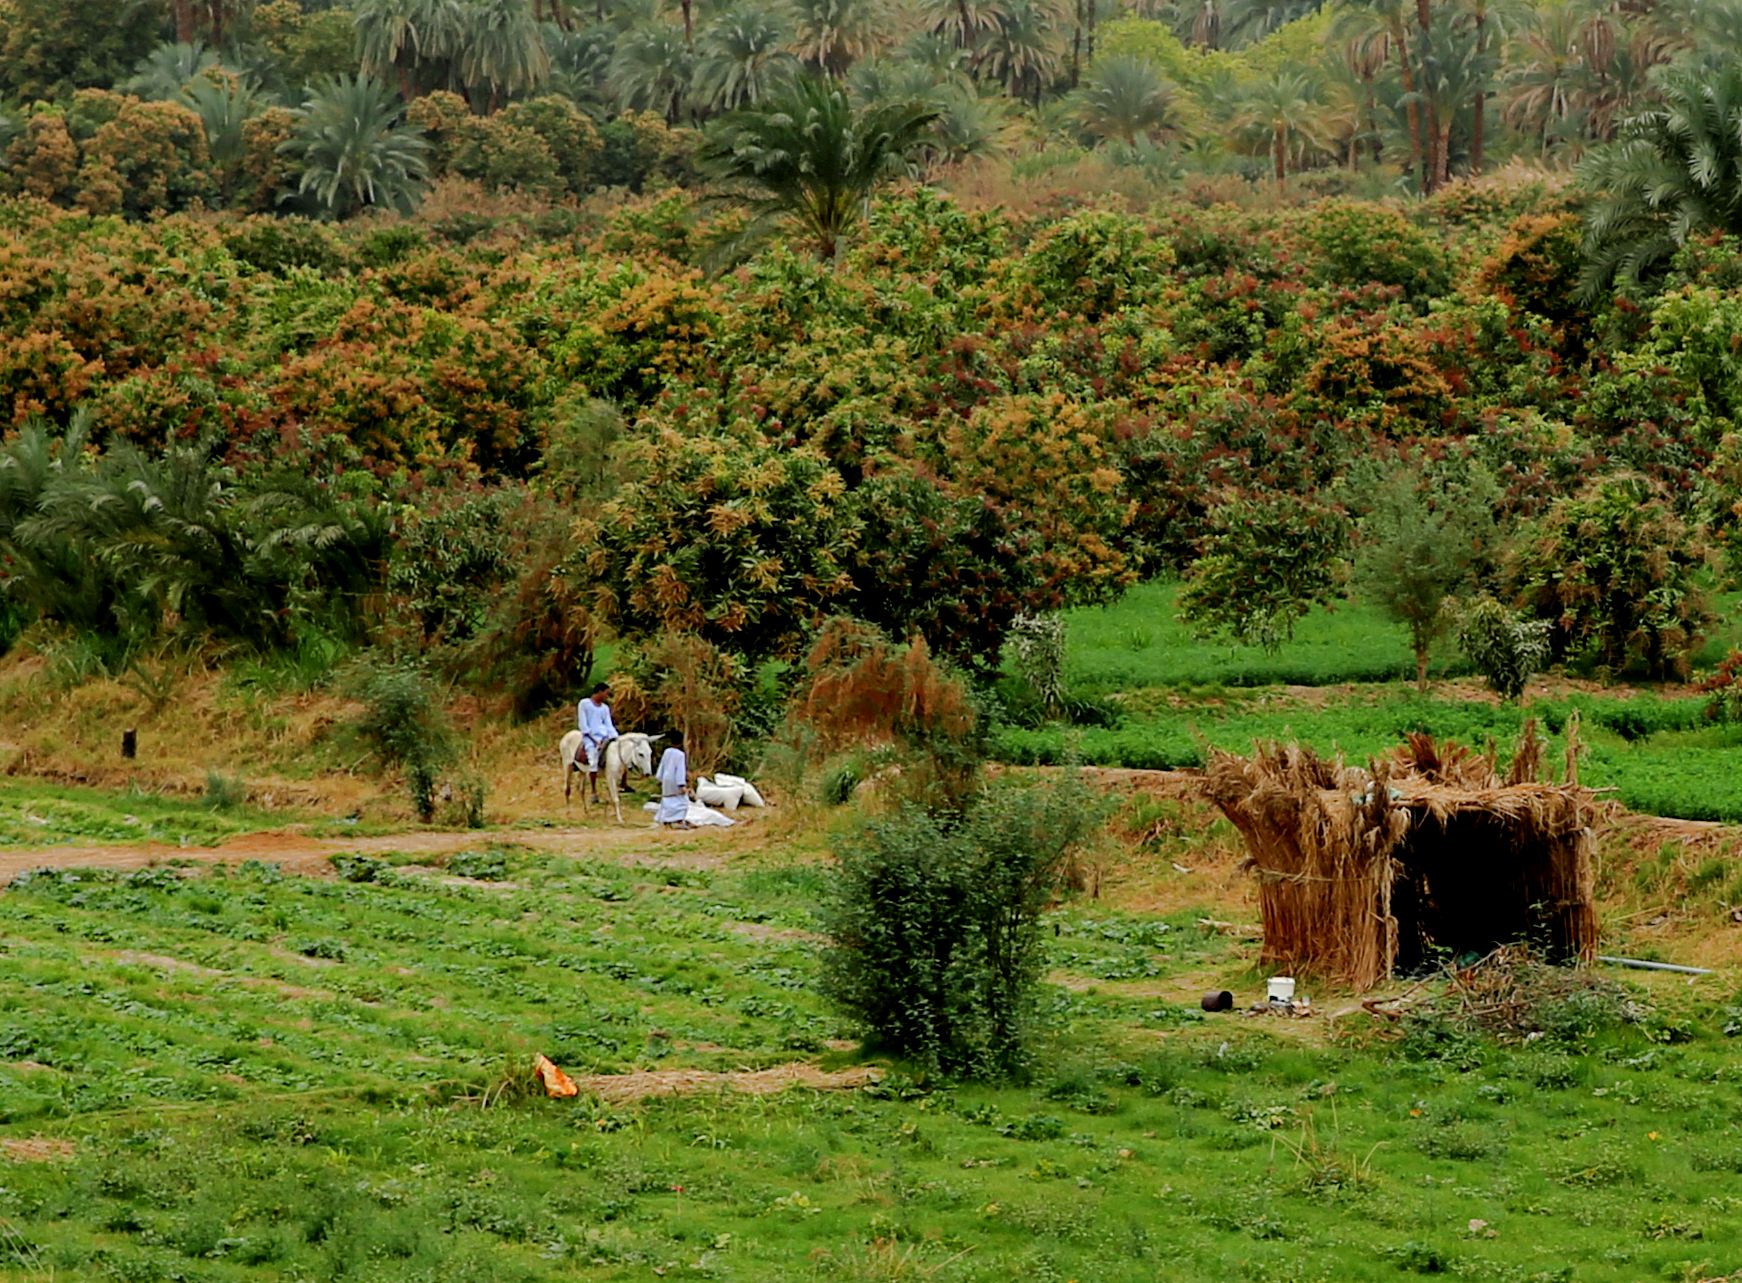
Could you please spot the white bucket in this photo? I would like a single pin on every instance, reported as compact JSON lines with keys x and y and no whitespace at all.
{"x":1280,"y":988}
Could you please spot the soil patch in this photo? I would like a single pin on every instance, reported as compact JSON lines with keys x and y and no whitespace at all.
{"x":762,"y":931}
{"x":618,"y":1088}
{"x":36,"y":1150}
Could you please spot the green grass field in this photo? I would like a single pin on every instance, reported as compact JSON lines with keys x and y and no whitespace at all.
{"x":1138,"y":642}
{"x":243,"y":1076}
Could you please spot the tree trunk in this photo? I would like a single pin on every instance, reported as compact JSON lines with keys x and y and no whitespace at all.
{"x":1279,"y":154}
{"x":1477,"y":127}
{"x":1431,"y":179}
{"x":1412,"y":110}
{"x":967,"y":20}
{"x":689,"y":22}
{"x":216,"y":7}
{"x":1421,"y":658}
{"x":1476,"y":132}
{"x":1090,"y":44}
{"x":1077,"y":43}
{"x":184,"y":21}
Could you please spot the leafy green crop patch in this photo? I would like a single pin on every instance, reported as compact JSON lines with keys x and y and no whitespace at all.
{"x":250,"y":1076}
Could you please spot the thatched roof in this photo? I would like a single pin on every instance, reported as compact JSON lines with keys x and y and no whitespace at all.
{"x":1357,"y":864}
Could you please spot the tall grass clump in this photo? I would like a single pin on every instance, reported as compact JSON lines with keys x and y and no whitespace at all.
{"x":934,"y":921}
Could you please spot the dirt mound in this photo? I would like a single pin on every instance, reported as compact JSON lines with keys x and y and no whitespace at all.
{"x":621,"y":1088}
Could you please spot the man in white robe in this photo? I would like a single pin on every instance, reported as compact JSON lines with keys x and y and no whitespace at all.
{"x":674,"y":784}
{"x":597,"y":730}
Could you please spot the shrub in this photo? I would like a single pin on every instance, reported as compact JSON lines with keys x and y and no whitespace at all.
{"x":1097,"y":262}
{"x":1615,"y":572}
{"x":1504,"y":647}
{"x":1723,"y":690}
{"x":1357,"y":244}
{"x":934,"y":925}
{"x":402,"y":722}
{"x":742,"y":543}
{"x":1036,"y":650}
{"x":1266,"y":561}
{"x":224,"y":792}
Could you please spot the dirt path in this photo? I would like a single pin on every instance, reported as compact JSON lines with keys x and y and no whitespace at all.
{"x":619,"y":1088}
{"x":299,"y":853}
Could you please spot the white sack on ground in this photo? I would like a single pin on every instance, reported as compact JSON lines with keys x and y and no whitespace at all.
{"x":714,"y":793}
{"x":750,"y":796}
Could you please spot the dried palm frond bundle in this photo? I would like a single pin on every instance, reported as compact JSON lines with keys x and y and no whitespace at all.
{"x":1432,"y":850}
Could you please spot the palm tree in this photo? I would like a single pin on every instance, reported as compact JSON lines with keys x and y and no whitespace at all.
{"x":961,"y":22}
{"x":1285,"y":111}
{"x":1021,"y":50}
{"x":163,"y":73}
{"x":415,"y":41}
{"x":1544,"y":76}
{"x":354,"y":149}
{"x":224,"y":102}
{"x":1245,"y":22}
{"x":807,"y":155}
{"x":831,"y":35}
{"x":1366,"y":51}
{"x":1125,"y":97}
{"x":890,"y":80}
{"x":968,"y":125}
{"x":502,"y":50}
{"x":651,"y":71}
{"x":1196,"y":22}
{"x":743,"y":58}
{"x":1372,"y":24}
{"x":1676,"y":172}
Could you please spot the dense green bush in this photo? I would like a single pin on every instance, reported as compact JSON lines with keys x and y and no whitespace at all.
{"x":934,"y":925}
{"x":1617,"y":575}
{"x":1504,"y":647}
{"x":403,"y":724}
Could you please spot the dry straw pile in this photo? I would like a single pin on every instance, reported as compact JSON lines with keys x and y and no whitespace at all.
{"x":1364,"y":871}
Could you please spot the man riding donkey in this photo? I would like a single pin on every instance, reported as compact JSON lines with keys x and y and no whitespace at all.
{"x":597,"y":730}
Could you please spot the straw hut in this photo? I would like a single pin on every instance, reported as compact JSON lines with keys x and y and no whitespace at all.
{"x":1367,"y":871}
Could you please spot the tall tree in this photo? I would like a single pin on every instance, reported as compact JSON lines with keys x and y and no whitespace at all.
{"x":831,"y":35}
{"x":806,"y":155}
{"x":49,"y":48}
{"x":743,"y":58}
{"x":416,"y":42}
{"x":1021,"y":49}
{"x":502,"y":51}
{"x":1372,"y":21}
{"x":1287,"y":112}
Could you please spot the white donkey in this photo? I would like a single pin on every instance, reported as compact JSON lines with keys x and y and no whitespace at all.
{"x":632,"y":750}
